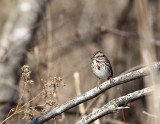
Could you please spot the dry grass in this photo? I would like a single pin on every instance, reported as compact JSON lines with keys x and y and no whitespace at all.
{"x":31,"y":108}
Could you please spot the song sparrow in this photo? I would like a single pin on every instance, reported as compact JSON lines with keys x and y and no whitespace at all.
{"x":101,"y":66}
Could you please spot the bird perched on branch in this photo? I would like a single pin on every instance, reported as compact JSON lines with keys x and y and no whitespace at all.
{"x":101,"y":66}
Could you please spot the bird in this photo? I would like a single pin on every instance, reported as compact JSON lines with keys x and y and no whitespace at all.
{"x":101,"y":66}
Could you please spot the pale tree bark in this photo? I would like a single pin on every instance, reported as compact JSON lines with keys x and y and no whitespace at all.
{"x":114,"y":105}
{"x":95,"y":92}
{"x":17,"y":34}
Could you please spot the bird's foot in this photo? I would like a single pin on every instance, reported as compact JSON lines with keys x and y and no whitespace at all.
{"x":111,"y":79}
{"x":99,"y":83}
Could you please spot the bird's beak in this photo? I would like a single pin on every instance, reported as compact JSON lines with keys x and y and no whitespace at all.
{"x":92,"y":58}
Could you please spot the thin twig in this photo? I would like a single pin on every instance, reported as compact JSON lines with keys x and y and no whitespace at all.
{"x":20,"y":109}
{"x":129,"y":35}
{"x":149,"y":114}
{"x":123,"y":114}
{"x":78,"y":91}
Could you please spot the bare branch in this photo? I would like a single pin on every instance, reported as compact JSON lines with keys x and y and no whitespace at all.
{"x":150,"y":115}
{"x":94,"y":92}
{"x":112,"y":106}
{"x":128,"y":34}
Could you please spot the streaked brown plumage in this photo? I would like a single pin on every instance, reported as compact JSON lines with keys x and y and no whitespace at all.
{"x":101,"y":66}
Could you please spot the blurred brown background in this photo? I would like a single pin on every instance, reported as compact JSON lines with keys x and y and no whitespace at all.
{"x":65,"y":34}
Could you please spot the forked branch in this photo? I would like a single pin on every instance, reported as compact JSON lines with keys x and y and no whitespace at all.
{"x":94,"y":92}
{"x":114,"y":105}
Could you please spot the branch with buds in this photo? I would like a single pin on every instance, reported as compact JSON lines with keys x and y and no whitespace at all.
{"x":95,"y":92}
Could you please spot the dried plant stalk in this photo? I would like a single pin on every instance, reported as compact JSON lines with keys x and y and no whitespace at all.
{"x":148,"y":51}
